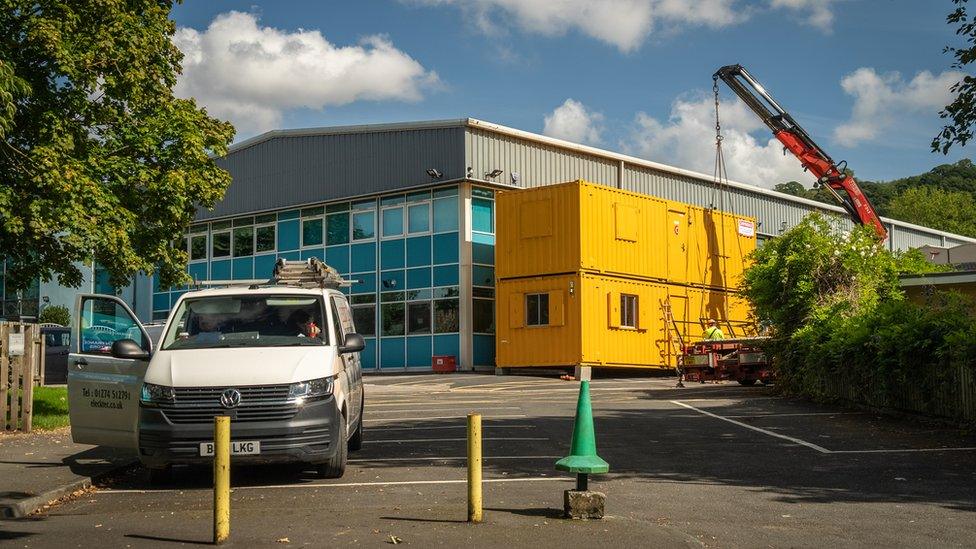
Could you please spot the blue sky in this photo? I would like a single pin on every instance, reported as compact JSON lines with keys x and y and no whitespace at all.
{"x":865,"y":77}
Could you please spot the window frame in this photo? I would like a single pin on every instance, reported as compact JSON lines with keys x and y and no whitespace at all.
{"x":541,"y":297}
{"x":230,"y":243}
{"x":301,"y":229}
{"x":629,"y":307}
{"x":274,"y":227}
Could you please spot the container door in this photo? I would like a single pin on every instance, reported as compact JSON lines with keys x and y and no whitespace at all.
{"x":677,"y":246}
{"x":103,"y":391}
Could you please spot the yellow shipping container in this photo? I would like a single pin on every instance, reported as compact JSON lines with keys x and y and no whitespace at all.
{"x":586,"y":319}
{"x":584,"y":226}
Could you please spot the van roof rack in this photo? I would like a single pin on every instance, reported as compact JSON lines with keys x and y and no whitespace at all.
{"x":310,"y":273}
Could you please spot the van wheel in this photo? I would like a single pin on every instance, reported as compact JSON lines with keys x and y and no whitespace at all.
{"x":356,"y":441}
{"x":747,"y":382}
{"x":336,"y":466}
{"x":160,"y":476}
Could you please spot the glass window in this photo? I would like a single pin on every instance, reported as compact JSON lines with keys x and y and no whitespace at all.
{"x":311,"y":232}
{"x":483,"y":313}
{"x":483,"y":215}
{"x":628,"y":311}
{"x":445,"y":215}
{"x":364,"y":316}
{"x":265,"y":238}
{"x":337,"y":229}
{"x":450,"y":291}
{"x":198,"y":247}
{"x":218,"y":225}
{"x":183,"y":243}
{"x":418,"y":218}
{"x":243,"y":221}
{"x":312,"y":212}
{"x":446,"y":316}
{"x":393,"y":222}
{"x":221,"y":244}
{"x":340,"y":207}
{"x":392,"y":320}
{"x":537,"y":309}
{"x":418,"y":318}
{"x":266,"y":218}
{"x":103,"y":322}
{"x":363,"y":225}
{"x":243,"y":241}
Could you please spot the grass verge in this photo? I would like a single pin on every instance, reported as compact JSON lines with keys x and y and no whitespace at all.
{"x":50,"y":408}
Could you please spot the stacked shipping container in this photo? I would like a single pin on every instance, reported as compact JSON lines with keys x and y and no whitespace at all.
{"x":589,"y":275}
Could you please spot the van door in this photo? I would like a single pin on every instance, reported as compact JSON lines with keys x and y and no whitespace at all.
{"x":354,"y":367}
{"x":103,"y":391}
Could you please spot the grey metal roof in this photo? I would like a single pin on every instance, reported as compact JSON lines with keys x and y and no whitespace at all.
{"x":294,"y":167}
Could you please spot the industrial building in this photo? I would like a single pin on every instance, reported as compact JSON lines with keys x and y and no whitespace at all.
{"x":408,"y":210}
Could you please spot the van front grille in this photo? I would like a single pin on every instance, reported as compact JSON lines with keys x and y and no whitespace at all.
{"x":258,"y":403}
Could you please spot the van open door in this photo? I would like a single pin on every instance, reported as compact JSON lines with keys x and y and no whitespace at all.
{"x":104,"y":388}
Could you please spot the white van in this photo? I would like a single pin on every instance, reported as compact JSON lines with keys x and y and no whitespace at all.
{"x":281,"y":361}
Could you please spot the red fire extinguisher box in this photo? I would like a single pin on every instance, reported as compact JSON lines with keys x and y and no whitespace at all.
{"x":444,"y":364}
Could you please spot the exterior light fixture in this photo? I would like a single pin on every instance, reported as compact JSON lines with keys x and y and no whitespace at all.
{"x":516,"y":177}
{"x":389,"y":283}
{"x":493,"y":174}
{"x":435,"y":173}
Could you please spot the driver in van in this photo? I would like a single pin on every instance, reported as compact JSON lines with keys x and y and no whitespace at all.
{"x":306,"y":325}
{"x":208,"y":329}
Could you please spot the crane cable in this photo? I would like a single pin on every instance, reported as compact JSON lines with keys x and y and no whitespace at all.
{"x":721,"y":186}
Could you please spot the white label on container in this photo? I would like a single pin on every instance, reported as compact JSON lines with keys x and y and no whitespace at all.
{"x":16,"y":345}
{"x":747,"y":228}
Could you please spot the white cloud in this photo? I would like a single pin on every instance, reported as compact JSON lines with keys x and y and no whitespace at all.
{"x":818,"y":13}
{"x":687,"y":140}
{"x":624,"y":24}
{"x":251,"y":74}
{"x":882,"y":102}
{"x":572,"y":121}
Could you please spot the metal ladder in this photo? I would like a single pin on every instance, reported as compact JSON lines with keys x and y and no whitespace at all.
{"x":311,"y":273}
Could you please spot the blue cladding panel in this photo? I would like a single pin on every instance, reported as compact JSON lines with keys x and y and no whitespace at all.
{"x":315,"y":252}
{"x":418,"y":251}
{"x":338,"y":258}
{"x":288,"y":235}
{"x":290,"y":256}
{"x":418,"y":351}
{"x":391,"y":254}
{"x":264,"y":266}
{"x":391,"y":352}
{"x":220,"y":270}
{"x":366,"y":284}
{"x":483,"y":253}
{"x":174,"y":297}
{"x":392,"y":281}
{"x":418,"y":278}
{"x":447,"y":345}
{"x":363,"y":257}
{"x":197,"y":271}
{"x":368,"y":355}
{"x":291,"y":214}
{"x":482,"y":276}
{"x":445,"y":275}
{"x":445,"y":248}
{"x":155,"y":285}
{"x":243,"y":268}
{"x":161,"y":302}
{"x":484,"y":350}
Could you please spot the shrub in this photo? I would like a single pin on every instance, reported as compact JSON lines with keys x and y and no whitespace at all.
{"x":55,"y":314}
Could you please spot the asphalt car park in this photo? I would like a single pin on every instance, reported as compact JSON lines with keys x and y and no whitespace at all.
{"x":707,"y":465}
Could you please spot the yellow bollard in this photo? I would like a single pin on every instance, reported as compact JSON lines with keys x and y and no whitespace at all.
{"x":474,"y":467}
{"x":221,"y":518}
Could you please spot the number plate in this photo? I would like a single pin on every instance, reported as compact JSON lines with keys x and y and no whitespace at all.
{"x":237,"y":448}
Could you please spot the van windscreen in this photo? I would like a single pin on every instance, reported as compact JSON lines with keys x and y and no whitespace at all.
{"x":262,"y":320}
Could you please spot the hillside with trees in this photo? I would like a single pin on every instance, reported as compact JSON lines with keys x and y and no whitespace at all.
{"x":942,"y":198}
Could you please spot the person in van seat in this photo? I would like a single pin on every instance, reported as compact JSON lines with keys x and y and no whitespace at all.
{"x":306,"y":325}
{"x":713,"y":331}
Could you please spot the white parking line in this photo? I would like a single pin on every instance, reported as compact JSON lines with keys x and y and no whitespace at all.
{"x":442,"y":409}
{"x":351,"y":484}
{"x":441,"y":427}
{"x":794,"y":440}
{"x":439,"y":402}
{"x":448,"y":439}
{"x":906,"y":450}
{"x":501,"y":416}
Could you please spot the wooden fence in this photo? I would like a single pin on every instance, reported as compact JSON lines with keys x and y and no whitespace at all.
{"x":21,"y":368}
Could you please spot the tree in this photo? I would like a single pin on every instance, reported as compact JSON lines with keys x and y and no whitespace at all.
{"x":55,"y":314}
{"x":100,"y":160}
{"x":954,"y":212}
{"x":961,"y":113}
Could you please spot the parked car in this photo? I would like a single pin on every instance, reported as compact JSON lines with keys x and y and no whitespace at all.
{"x":57,"y":340}
{"x":281,"y":361}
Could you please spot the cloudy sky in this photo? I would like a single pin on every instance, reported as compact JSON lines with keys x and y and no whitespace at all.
{"x":865,"y":77}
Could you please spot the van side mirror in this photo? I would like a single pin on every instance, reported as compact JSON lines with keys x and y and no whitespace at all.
{"x":354,"y":343}
{"x":128,"y":348}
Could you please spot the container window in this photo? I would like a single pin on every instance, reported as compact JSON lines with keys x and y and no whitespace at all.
{"x":537,"y":309}
{"x":393,"y":321}
{"x":221,"y":244}
{"x":264,"y":238}
{"x":198,"y":247}
{"x":628,"y":311}
{"x":363,"y":225}
{"x":312,"y":232}
{"x":418,"y":318}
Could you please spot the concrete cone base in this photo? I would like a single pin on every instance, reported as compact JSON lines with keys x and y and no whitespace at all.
{"x":584,"y":504}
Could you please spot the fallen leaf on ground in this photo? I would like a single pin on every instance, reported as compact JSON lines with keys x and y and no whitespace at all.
{"x":395,"y":540}
{"x":282,"y":540}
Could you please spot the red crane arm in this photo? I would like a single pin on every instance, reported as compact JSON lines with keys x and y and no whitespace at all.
{"x":829,"y":174}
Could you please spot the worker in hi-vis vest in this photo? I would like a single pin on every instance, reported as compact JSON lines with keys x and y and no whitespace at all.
{"x":713,"y":331}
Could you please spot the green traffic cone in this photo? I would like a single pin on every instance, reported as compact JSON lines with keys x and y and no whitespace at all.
{"x":582,"y":456}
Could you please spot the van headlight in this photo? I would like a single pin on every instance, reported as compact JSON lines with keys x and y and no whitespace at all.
{"x":153,"y":394}
{"x":311,"y":389}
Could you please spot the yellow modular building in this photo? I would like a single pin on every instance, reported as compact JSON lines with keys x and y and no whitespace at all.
{"x":586,"y":319}
{"x":582,"y":226}
{"x":593,"y":276}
